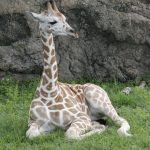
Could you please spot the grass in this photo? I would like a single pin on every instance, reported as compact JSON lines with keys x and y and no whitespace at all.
{"x":15,"y":99}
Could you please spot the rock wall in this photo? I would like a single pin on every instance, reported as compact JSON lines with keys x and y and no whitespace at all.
{"x":114,"y":39}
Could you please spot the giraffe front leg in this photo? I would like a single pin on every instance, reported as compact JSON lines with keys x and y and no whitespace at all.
{"x":39,"y":121}
{"x":78,"y":127}
{"x":37,"y":129}
{"x":97,"y":128}
{"x":81,"y":129}
{"x":33,"y":131}
{"x":97,"y":125}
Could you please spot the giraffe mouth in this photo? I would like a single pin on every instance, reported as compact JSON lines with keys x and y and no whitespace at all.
{"x":75,"y":35}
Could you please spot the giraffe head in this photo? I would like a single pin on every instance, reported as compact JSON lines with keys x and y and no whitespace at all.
{"x":53,"y":21}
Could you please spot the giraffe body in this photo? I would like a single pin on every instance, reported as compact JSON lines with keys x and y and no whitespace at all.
{"x":73,"y":107}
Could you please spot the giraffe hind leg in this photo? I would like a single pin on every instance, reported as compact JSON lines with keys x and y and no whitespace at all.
{"x":99,"y":102}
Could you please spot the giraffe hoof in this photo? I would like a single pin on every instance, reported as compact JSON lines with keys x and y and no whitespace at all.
{"x":122,"y":132}
{"x":32,"y":132}
{"x":72,"y":134}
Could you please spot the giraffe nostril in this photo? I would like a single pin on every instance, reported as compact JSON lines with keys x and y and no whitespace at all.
{"x":72,"y":31}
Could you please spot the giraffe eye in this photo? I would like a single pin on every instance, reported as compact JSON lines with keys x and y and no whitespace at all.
{"x":53,"y":22}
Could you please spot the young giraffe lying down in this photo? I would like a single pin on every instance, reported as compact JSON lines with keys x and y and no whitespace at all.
{"x":72,"y":107}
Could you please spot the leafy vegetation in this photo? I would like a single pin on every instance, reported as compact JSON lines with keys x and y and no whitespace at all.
{"x":15,"y":99}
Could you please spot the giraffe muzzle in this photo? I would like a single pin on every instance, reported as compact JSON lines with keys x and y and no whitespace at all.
{"x":73,"y":33}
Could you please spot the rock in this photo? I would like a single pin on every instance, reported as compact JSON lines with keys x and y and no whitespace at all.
{"x":114,"y":39}
{"x":127,"y":90}
{"x":142,"y":84}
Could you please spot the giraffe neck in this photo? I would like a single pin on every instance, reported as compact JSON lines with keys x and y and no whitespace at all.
{"x":50,"y":71}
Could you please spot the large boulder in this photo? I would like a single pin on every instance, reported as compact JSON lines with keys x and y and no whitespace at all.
{"x":114,"y":39}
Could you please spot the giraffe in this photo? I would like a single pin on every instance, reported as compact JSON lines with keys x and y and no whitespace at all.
{"x":72,"y":107}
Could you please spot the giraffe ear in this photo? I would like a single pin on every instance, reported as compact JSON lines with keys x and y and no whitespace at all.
{"x":36,"y":16}
{"x":54,"y":5}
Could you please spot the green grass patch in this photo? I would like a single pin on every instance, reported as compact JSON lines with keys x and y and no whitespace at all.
{"x":15,"y":99}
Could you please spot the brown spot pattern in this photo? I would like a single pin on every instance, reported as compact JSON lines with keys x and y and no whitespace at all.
{"x":55,"y":67}
{"x":79,"y":98}
{"x":69,"y":104}
{"x":48,"y":72}
{"x":44,"y":39}
{"x":56,"y":107}
{"x":45,"y":48}
{"x":67,"y":117}
{"x":53,"y":60}
{"x":59,"y":99}
{"x":63,"y":92}
{"x":43,"y":93}
{"x":32,"y":115}
{"x":79,"y":125}
{"x":37,"y":94}
{"x":53,"y":94}
{"x":55,"y":75}
{"x":83,"y":118}
{"x":36,"y":103}
{"x":49,"y":103}
{"x":42,"y":112}
{"x":45,"y":63}
{"x":49,"y":86}
{"x":53,"y":52}
{"x":82,"y":115}
{"x":73,"y":110}
{"x":50,"y":41}
{"x":55,"y":116}
{"x":43,"y":100}
{"x":71,"y":90}
{"x":68,"y":91}
{"x":68,"y":100}
{"x":45,"y":55}
{"x":45,"y":81}
{"x":73,"y":100}
{"x":83,"y":108}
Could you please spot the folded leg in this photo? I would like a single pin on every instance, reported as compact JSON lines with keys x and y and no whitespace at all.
{"x":99,"y":102}
{"x":82,"y":128}
{"x":37,"y":129}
